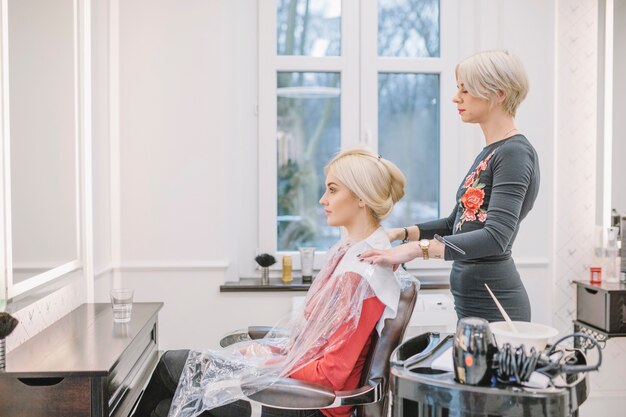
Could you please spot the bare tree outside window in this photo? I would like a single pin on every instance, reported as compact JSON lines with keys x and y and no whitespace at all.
{"x":408,"y":28}
{"x":309,"y":27}
{"x":408,"y":134}
{"x":308,"y":135}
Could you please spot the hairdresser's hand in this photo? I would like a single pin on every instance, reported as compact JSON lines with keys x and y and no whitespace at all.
{"x":392,"y":257}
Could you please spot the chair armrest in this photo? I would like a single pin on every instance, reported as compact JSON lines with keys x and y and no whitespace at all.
{"x":258,"y":332}
{"x":288,"y":393}
{"x":234,"y":337}
{"x":367,"y":394}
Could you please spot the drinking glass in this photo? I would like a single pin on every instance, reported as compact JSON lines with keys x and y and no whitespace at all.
{"x":122,"y":303}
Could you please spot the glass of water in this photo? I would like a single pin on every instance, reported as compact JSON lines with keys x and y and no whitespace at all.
{"x":122,"y":302}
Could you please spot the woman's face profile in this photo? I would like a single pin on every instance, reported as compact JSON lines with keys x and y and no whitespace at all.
{"x":341,"y":206}
{"x":472,"y":109}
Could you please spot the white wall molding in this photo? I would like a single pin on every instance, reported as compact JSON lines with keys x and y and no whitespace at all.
{"x":168,"y":266}
{"x":440,"y":265}
{"x":532,"y":262}
{"x":441,"y":269}
{"x":103,"y":271}
{"x":214,"y":265}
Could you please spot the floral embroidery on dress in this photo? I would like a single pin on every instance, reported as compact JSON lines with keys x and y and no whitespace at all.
{"x":474,"y":196}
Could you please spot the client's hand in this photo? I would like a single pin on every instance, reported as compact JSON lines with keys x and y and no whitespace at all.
{"x":255,"y":350}
{"x":268,"y":353}
{"x":392,"y":257}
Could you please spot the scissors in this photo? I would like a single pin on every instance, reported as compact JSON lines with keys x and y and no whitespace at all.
{"x":449,"y":244}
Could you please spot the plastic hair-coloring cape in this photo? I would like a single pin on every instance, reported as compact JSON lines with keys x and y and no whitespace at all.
{"x":330,"y":315}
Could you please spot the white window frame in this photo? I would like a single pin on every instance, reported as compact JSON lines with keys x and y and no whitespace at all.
{"x":359,"y":65}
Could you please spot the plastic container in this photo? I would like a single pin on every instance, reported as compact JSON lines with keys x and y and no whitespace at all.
{"x":287,"y":269}
{"x":595,"y":274}
{"x":529,"y":334}
{"x":612,"y":253}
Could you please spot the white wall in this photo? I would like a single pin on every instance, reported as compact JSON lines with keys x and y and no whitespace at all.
{"x":172,"y":131}
{"x":188,"y":164}
{"x":178,"y":118}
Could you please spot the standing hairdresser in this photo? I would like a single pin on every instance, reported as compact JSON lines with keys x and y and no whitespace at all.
{"x":496,"y":194}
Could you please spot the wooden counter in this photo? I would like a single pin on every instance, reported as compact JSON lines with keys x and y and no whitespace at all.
{"x":82,"y":365}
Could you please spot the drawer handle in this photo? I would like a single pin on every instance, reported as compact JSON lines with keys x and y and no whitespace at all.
{"x":41,"y":382}
{"x":590,"y":291}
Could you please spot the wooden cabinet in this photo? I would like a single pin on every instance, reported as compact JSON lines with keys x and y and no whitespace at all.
{"x":82,"y":365}
{"x":602,"y":305}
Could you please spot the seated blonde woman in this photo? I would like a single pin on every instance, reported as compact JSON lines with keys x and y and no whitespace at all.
{"x":348,"y":300}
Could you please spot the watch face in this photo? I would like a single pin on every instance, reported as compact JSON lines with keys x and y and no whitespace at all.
{"x":424,"y":243}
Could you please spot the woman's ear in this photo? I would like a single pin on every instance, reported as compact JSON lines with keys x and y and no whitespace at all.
{"x":361,"y":203}
{"x":500,"y":97}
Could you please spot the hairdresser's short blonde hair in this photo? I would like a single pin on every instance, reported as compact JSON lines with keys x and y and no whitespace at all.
{"x":375,"y":180}
{"x":488,"y":73}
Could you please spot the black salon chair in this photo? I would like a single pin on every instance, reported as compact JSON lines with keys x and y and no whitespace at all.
{"x":370,"y":399}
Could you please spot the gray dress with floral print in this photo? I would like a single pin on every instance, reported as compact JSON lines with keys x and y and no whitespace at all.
{"x":497,"y":193}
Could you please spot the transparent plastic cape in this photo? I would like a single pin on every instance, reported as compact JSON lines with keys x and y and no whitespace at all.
{"x":330,"y":314}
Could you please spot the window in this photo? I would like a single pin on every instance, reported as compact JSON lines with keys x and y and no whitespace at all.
{"x":327,"y":81}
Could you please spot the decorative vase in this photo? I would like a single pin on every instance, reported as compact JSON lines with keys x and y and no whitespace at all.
{"x":2,"y":353}
{"x":7,"y":325}
{"x":265,"y":275}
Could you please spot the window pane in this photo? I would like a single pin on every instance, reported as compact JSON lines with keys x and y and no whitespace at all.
{"x":408,"y":132}
{"x":408,"y":28}
{"x":308,"y":135}
{"x":308,"y":27}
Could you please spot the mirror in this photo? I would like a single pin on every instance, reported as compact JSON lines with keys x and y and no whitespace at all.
{"x":611,"y":151}
{"x":41,"y":168}
{"x":618,"y":174}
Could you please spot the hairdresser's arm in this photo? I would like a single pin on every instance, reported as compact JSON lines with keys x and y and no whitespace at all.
{"x":513,"y":171}
{"x":398,"y":233}
{"x":402,"y":254}
{"x":426,"y":230}
{"x":411,"y":250}
{"x":442,"y":227}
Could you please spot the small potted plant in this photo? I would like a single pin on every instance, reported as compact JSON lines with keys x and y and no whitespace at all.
{"x":7,"y":325}
{"x":265,"y":260}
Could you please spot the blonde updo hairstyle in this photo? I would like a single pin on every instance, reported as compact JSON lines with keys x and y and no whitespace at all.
{"x":375,"y":180}
{"x":490,"y":73}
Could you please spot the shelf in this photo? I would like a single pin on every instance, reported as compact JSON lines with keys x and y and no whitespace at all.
{"x":276,"y":285}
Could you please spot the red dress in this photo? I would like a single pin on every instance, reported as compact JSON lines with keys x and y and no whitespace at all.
{"x":340,"y":368}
